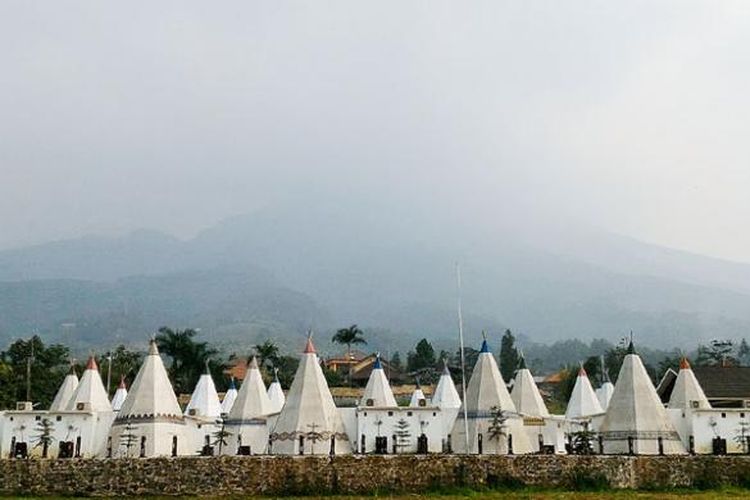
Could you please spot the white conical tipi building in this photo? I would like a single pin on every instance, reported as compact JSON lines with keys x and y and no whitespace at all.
{"x":687,"y":392}
{"x":247,"y":427}
{"x":309,"y":422}
{"x":204,"y":402}
{"x":120,"y":394}
{"x":378,"y":391}
{"x":276,"y":393}
{"x":583,"y":401}
{"x":486,"y":399}
{"x":525,"y":394}
{"x":417,"y":397}
{"x":150,"y":422}
{"x":90,"y":394}
{"x":66,"y":391}
{"x":636,"y":421}
{"x":229,"y":397}
{"x":445,"y":395}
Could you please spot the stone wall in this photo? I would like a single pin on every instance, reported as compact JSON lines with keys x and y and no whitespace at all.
{"x":358,"y":474}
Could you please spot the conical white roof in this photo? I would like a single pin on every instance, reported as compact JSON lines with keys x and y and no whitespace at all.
{"x":445,"y":395}
{"x":120,"y":394}
{"x":65,"y":392}
{"x":486,"y":387}
{"x":204,"y":402}
{"x":604,"y":394}
{"x":378,"y":391}
{"x":636,"y":411}
{"x":583,"y":401}
{"x":276,"y":394}
{"x":687,"y":392}
{"x":486,"y":394}
{"x":229,"y":397}
{"x":525,"y":394}
{"x":310,"y":413}
{"x":151,"y":394}
{"x":417,"y":396}
{"x":90,"y":390}
{"x":252,"y":400}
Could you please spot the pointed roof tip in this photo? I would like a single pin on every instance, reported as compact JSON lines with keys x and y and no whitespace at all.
{"x":582,"y":371}
{"x":522,"y":363}
{"x":446,"y":370}
{"x":252,"y":365}
{"x":72,"y":370}
{"x":91,"y":363}
{"x":122,"y":383}
{"x":309,"y":347}
{"x":153,"y":350}
{"x":684,"y":363}
{"x":276,"y":375}
{"x":232,"y":384}
{"x":485,"y":347}
{"x":377,"y":365}
{"x":631,"y":348}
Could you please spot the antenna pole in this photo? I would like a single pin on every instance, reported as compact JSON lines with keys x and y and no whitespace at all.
{"x":461,"y":351}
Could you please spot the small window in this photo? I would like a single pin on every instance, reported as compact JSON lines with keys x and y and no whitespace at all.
{"x":390,"y":413}
{"x":365,"y":414}
{"x":742,"y":415}
{"x":723,"y":415}
{"x":59,"y":418}
{"x":434,"y":414}
{"x":38,"y":418}
{"x":408,"y":414}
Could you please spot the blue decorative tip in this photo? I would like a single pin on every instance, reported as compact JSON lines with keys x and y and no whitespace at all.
{"x":377,"y":365}
{"x":485,"y":347}
{"x":231,"y":384}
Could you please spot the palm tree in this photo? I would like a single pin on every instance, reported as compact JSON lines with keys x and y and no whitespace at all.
{"x":268,"y":353}
{"x":349,"y":336}
{"x":188,"y":356}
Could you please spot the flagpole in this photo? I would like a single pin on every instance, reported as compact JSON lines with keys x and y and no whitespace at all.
{"x":463,"y":362}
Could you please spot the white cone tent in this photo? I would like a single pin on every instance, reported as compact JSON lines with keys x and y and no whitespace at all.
{"x":120,"y":394}
{"x":309,"y":422}
{"x":252,"y":400}
{"x":636,"y":421}
{"x":90,"y":393}
{"x":204,"y":402}
{"x":151,"y":413}
{"x":245,"y":421}
{"x":687,"y":392}
{"x":378,"y":391}
{"x":65,"y":392}
{"x":276,"y":393}
{"x":486,"y":395}
{"x":525,"y":393}
{"x":229,"y":397}
{"x":417,"y":397}
{"x":583,"y":401}
{"x":604,"y":392}
{"x":445,"y":395}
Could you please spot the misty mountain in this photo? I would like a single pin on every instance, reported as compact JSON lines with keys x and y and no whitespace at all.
{"x":279,"y":271}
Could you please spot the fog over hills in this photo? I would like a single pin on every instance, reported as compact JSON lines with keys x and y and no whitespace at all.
{"x":281,"y":270}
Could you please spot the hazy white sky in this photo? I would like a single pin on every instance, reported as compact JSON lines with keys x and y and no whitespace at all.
{"x":632,"y":116}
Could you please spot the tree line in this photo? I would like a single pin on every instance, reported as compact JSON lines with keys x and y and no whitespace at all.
{"x":32,"y":370}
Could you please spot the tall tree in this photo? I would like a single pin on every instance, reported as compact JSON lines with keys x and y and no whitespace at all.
{"x":509,"y":356}
{"x":423,"y":357}
{"x":47,"y":366}
{"x":188,"y":357}
{"x":716,"y":353}
{"x":268,"y":354}
{"x":743,"y":352}
{"x":349,"y":337}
